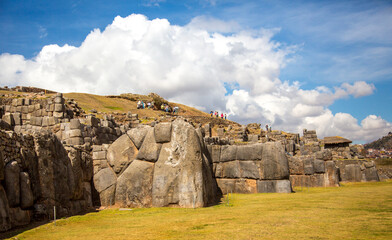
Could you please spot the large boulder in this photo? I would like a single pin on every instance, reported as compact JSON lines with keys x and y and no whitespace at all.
{"x":274,"y":163}
{"x":162,"y":132}
{"x":26,"y":194}
{"x":12,"y":183}
{"x":121,"y":153}
{"x":296,"y":165}
{"x":178,"y":174}
{"x":150,"y":149}
{"x":331,"y":176}
{"x":104,"y":179}
{"x":134,"y":186}
{"x":137,"y":134}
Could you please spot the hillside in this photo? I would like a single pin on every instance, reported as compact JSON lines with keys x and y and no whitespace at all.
{"x":382,"y":143}
{"x":119,"y":105}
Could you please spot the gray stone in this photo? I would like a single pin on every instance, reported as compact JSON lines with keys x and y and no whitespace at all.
{"x":134,"y":186}
{"x":75,"y":141}
{"x":215,"y":153}
{"x":319,"y":166}
{"x":179,"y":176}
{"x":12,"y":183}
{"x":99,"y":155}
{"x":149,"y":150}
{"x":74,"y":123}
{"x":296,"y":165}
{"x":308,"y":165}
{"x":138,"y":134}
{"x":331,"y":176}
{"x":245,"y":186}
{"x":249,"y":169}
{"x":353,"y":173}
{"x":228,"y":153}
{"x":75,"y":133}
{"x":26,"y":194}
{"x":371,"y":174}
{"x":272,"y":186}
{"x":231,"y":169}
{"x":274,"y":163}
{"x":121,"y":153}
{"x":17,"y":118}
{"x":58,"y":107}
{"x":249,"y":152}
{"x":9,"y":119}
{"x":162,"y":132}
{"x":104,"y":179}
{"x":226,"y":185}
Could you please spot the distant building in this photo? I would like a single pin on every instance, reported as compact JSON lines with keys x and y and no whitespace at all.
{"x":336,"y":142}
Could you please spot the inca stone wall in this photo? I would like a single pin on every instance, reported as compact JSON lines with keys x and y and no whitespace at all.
{"x":254,"y":168}
{"x":157,"y":166}
{"x":37,"y":173}
{"x":357,"y":171}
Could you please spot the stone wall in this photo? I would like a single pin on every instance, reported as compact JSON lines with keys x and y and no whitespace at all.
{"x":315,"y":170}
{"x":357,"y":170}
{"x":37,"y":173}
{"x":252,"y":168}
{"x":165,"y":165}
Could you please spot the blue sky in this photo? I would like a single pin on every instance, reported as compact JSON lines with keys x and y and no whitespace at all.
{"x":325,"y":43}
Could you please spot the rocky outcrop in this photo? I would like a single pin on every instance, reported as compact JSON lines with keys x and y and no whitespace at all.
{"x":357,"y":170}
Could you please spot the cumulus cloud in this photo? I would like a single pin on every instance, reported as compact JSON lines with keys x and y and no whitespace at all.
{"x":197,"y":66}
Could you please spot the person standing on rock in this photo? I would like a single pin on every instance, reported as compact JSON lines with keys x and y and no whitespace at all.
{"x":211,"y":113}
{"x":225,"y":116}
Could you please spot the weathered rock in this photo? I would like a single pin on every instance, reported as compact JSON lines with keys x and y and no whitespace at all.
{"x":19,"y":217}
{"x":228,"y":153}
{"x":371,"y":174}
{"x":149,"y":150}
{"x":296,"y":165}
{"x":245,"y":186}
{"x":226,"y":185}
{"x":331,"y":176}
{"x":107,"y":196}
{"x":104,"y":179}
{"x":87,"y":194}
{"x":230,"y":169}
{"x":274,"y":163}
{"x":162,"y":132}
{"x":12,"y":183}
{"x":77,"y":173}
{"x":74,"y":123}
{"x":249,"y":169}
{"x":1,"y":166}
{"x":353,"y":173}
{"x":26,"y":194}
{"x":121,"y":153}
{"x":272,"y":186}
{"x":137,"y":134}
{"x":215,"y":153}
{"x":249,"y":152}
{"x":134,"y":186}
{"x":5,"y":221}
{"x":319,"y":166}
{"x":308,"y":165}
{"x":178,"y":174}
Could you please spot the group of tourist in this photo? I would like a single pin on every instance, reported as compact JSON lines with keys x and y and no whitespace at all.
{"x":151,"y":105}
{"x":143,"y":105}
{"x":216,"y":114}
{"x":165,"y":107}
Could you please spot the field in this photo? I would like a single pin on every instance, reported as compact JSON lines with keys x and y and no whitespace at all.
{"x":353,"y":211}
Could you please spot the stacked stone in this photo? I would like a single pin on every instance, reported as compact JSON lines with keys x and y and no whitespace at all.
{"x":132,"y":120}
{"x":253,"y":168}
{"x":164,"y":165}
{"x":309,"y":136}
{"x":16,"y":195}
{"x":317,"y":170}
{"x":25,"y":114}
{"x":357,"y":170}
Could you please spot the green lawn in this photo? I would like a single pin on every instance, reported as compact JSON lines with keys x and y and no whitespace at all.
{"x":353,"y":211}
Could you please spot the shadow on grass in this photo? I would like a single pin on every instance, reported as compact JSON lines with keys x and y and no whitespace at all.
{"x":34,"y":224}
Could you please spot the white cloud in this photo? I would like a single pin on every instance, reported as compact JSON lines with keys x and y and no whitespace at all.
{"x":193,"y":65}
{"x":211,"y":24}
{"x":152,"y":3}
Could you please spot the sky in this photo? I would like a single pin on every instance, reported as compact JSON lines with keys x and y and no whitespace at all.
{"x":323,"y":65}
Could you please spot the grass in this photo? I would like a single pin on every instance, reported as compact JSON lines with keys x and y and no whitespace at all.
{"x":353,"y":211}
